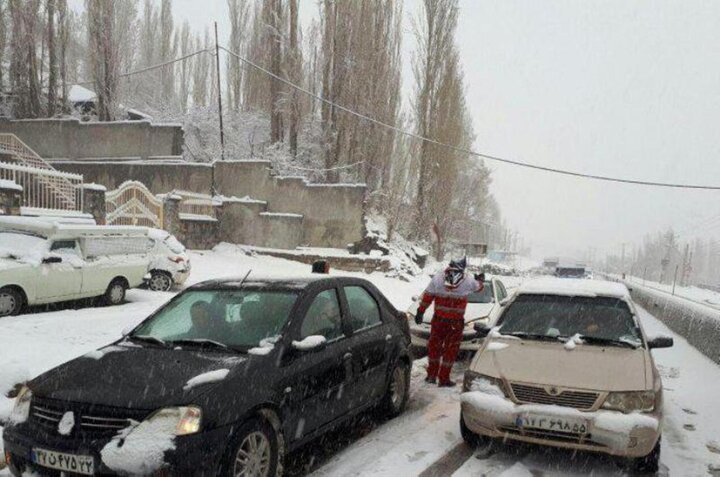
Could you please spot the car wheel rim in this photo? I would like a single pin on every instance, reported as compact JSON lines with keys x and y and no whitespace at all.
{"x":116,"y":293}
{"x":7,"y":304}
{"x":253,"y":456}
{"x":160,"y":282}
{"x":397,"y":387}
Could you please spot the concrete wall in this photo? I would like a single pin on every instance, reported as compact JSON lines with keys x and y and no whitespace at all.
{"x":158,"y":177}
{"x":332,"y":215}
{"x":72,"y":139}
{"x":699,"y":324}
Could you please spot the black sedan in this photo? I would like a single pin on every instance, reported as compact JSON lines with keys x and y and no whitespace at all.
{"x":223,"y":380}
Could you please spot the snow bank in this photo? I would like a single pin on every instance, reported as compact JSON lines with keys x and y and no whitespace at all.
{"x":517,"y":470}
{"x":310,"y":342}
{"x":140,"y":448}
{"x":206,"y":378}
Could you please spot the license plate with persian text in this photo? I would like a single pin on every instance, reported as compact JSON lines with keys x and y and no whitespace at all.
{"x":79,"y":464}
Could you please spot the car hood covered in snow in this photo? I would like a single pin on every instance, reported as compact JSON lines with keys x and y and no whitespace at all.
{"x":134,"y":377}
{"x":600,"y":368}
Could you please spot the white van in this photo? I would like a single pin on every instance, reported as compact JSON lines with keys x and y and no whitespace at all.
{"x":45,"y":262}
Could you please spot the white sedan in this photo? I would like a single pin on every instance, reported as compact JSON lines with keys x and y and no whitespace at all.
{"x":483,"y":307}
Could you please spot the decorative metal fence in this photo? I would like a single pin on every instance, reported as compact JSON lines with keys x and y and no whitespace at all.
{"x":133,"y":204}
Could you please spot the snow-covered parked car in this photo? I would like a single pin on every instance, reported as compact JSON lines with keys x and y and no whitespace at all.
{"x":568,"y":365}
{"x":169,"y":263}
{"x":224,"y":379}
{"x":483,"y":307}
{"x":44,"y":262}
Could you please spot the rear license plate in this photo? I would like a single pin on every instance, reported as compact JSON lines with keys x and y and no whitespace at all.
{"x":552,"y":423}
{"x":79,"y":464}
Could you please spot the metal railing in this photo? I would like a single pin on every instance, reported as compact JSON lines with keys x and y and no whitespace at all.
{"x":45,"y":188}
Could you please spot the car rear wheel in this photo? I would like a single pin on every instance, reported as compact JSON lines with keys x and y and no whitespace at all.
{"x":649,"y":464}
{"x":11,"y":302}
{"x":398,"y":390}
{"x":115,"y":293}
{"x":160,"y":281}
{"x":253,"y":452}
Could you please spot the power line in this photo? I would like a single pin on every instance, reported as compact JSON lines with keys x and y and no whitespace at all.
{"x":463,"y":150}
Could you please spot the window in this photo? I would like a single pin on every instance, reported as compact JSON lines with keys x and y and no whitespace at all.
{"x":62,"y":246}
{"x":237,"y":318}
{"x":484,"y":296}
{"x":323,"y":317}
{"x":364,"y":311}
{"x":502,"y":293}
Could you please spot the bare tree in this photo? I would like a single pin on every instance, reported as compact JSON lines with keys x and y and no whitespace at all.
{"x":63,"y":37}
{"x":103,"y":55}
{"x":52,"y":57}
{"x":3,"y":41}
{"x":24,"y":80}
{"x":167,"y":51}
{"x":185,"y":67}
{"x":239,"y":11}
{"x":275,"y":26}
{"x":294,"y":67}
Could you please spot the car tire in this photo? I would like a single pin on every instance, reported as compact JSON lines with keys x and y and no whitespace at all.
{"x":472,"y":439}
{"x":11,"y":302}
{"x":397,"y":392}
{"x":160,"y":281}
{"x":253,"y":451}
{"x":115,"y":293}
{"x":648,"y":465}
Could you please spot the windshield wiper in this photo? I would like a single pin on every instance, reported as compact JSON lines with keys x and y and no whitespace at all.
{"x":531,"y":336}
{"x":607,"y":341}
{"x":146,"y":339}
{"x":200,"y":342}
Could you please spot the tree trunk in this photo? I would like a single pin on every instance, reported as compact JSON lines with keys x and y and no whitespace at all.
{"x":52,"y":58}
{"x":295,"y":76}
{"x":276,"y":133}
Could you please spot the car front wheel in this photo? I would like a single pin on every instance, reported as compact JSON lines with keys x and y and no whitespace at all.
{"x":11,"y":302}
{"x":253,"y":452}
{"x":115,"y":293}
{"x":160,"y":281}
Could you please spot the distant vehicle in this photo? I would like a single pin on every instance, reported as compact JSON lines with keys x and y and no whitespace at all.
{"x":568,"y":365}
{"x":570,"y":272}
{"x":225,"y":379}
{"x":483,"y":307}
{"x":43,"y":262}
{"x":169,"y":262}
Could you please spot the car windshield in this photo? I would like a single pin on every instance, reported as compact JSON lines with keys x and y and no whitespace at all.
{"x":484,"y":296}
{"x":22,"y":247}
{"x":238,"y":319}
{"x":600,"y":319}
{"x":174,"y":245}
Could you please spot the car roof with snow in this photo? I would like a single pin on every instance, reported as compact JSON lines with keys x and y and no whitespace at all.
{"x":271,"y":282}
{"x":48,"y":228}
{"x":574,"y":287}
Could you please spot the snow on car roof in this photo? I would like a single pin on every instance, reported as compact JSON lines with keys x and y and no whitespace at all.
{"x":46,"y":227}
{"x":574,"y":287}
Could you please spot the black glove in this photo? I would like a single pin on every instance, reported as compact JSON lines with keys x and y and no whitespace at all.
{"x":480,"y":277}
{"x":419,"y":317}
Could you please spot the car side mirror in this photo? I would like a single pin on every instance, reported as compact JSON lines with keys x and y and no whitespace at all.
{"x":310,"y":343}
{"x":52,"y":259}
{"x":481,"y":330}
{"x":660,"y":342}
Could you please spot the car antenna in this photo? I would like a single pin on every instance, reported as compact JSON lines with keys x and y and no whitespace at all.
{"x":244,"y":278}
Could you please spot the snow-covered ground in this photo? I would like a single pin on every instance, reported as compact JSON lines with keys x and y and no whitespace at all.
{"x":700,"y":295}
{"x":425,"y":440}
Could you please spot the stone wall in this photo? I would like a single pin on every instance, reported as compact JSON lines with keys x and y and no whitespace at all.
{"x":699,"y":324}
{"x":72,"y":139}
{"x":330,"y":215}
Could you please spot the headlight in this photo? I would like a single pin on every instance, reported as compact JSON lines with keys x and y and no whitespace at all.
{"x":21,"y":410}
{"x":186,"y":419}
{"x":470,"y":325}
{"x":643,"y":401}
{"x":485,"y":384}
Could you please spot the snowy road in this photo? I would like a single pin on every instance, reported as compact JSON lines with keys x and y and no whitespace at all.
{"x":425,"y":440}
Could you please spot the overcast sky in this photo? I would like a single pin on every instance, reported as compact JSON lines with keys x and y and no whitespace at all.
{"x":614,"y":87}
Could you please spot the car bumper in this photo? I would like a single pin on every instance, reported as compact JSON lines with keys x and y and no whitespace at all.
{"x":609,"y":432}
{"x":420,"y":334}
{"x":180,"y":276}
{"x":195,"y":454}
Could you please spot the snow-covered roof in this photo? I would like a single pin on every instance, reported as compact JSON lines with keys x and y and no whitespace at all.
{"x":78,"y":94}
{"x":574,"y":287}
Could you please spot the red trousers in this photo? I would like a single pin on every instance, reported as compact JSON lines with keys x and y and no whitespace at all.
{"x":443,"y":346}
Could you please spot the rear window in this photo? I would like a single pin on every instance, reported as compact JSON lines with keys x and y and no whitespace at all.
{"x":565,"y":316}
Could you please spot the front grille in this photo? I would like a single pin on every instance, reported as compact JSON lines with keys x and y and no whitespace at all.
{"x":566,"y":437}
{"x":90,"y":420}
{"x":538,"y":395}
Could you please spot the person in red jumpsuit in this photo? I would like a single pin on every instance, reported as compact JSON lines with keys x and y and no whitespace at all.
{"x":449,"y":289}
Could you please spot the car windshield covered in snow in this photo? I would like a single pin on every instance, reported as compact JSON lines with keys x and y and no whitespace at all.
{"x":21,"y":246}
{"x":597,"y":320}
{"x":237,"y":319}
{"x":484,"y":296}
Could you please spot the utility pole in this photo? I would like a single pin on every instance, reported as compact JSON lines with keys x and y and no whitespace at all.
{"x":220,"y":114}
{"x":675,"y":278}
